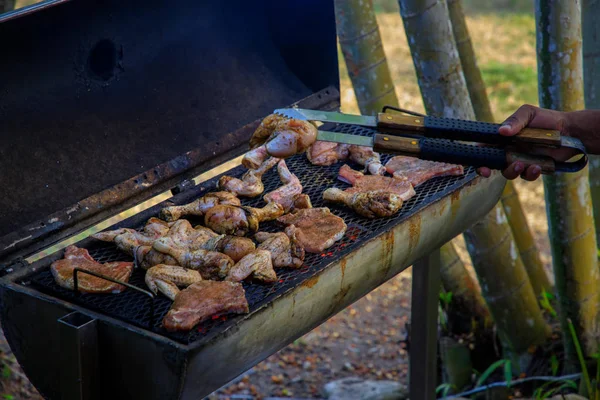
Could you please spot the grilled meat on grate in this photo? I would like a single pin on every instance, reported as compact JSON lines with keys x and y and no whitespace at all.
{"x":240,"y":221}
{"x":366,"y":157}
{"x":257,"y":264}
{"x":283,"y":246}
{"x":168,"y":278}
{"x":289,"y":196}
{"x":201,"y":301}
{"x":199,"y":206}
{"x":251,"y":183}
{"x":417,"y":171}
{"x":327,"y":153}
{"x":76,"y":257}
{"x":127,"y":239}
{"x":375,"y":183}
{"x":316,"y":229}
{"x":372,"y":204}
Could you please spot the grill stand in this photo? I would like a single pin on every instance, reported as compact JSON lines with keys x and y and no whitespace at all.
{"x":79,"y":352}
{"x":424,"y":313}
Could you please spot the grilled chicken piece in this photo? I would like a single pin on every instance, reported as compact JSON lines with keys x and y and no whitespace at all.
{"x":316,"y":229}
{"x":289,"y":137}
{"x":239,"y":221}
{"x":417,"y":171}
{"x":235,"y":247}
{"x":257,"y":264}
{"x":76,"y":257}
{"x":366,"y":157}
{"x":199,"y":206}
{"x":375,"y":183}
{"x":201,"y":301}
{"x":169,"y":278}
{"x":327,"y":153}
{"x":147,"y":257}
{"x":210,"y":264}
{"x":127,"y":239}
{"x":289,"y":195}
{"x":251,"y":183}
{"x":283,"y":246}
{"x":367,"y":204}
{"x":265,"y":129}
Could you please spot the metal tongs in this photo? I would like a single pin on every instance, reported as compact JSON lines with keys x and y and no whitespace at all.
{"x":444,"y":139}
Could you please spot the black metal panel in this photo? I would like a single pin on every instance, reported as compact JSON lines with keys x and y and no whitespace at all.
{"x":132,"y":307}
{"x":95,"y":92}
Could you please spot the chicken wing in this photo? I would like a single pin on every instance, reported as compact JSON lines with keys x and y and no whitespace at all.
{"x":285,"y":250}
{"x":287,"y":194}
{"x":257,"y":264}
{"x":239,"y":221}
{"x":199,"y":206}
{"x":366,"y":157}
{"x":327,"y":153}
{"x":251,"y":183}
{"x":127,"y":239}
{"x":169,"y":278}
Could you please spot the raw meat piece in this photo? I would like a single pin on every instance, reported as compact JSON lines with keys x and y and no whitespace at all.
{"x":76,"y":257}
{"x":418,"y":171}
{"x":327,"y":153}
{"x":375,"y":183}
{"x":285,"y":250}
{"x":201,"y":301}
{"x":257,"y":264}
{"x":168,"y":278}
{"x":251,"y":183}
{"x":239,"y":221}
{"x":289,"y":195}
{"x":367,"y":204}
{"x":316,"y":228}
{"x":199,"y":206}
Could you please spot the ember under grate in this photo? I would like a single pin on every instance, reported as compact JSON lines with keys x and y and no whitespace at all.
{"x":133,"y":307}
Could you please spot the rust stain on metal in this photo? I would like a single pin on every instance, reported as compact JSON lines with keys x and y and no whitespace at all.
{"x":414,"y":231}
{"x":309,"y":283}
{"x":454,"y":203}
{"x":388,"y":250}
{"x":343,"y":267}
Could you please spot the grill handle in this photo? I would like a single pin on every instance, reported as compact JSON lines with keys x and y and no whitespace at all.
{"x":97,"y":275}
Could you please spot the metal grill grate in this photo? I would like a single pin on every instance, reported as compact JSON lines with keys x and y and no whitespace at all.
{"x":133,"y":307}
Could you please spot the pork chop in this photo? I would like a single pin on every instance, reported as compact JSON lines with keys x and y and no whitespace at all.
{"x":417,"y":171}
{"x":76,"y":257}
{"x":316,"y":228}
{"x":202,"y":300}
{"x":375,"y":183}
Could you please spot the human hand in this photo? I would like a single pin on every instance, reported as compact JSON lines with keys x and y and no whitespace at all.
{"x":534,"y":117}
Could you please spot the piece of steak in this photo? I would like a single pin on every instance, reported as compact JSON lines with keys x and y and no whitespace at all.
{"x":76,"y":257}
{"x":316,"y":229}
{"x":375,"y":183}
{"x":202,"y":300}
{"x":417,"y":171}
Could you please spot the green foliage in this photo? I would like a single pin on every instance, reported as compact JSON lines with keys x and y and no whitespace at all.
{"x":584,"y":371}
{"x":554,"y":364}
{"x":490,"y":370}
{"x":509,"y":84}
{"x":8,"y":396}
{"x":6,"y":372}
{"x":545,"y":303}
{"x":548,"y":389}
{"x":445,"y":389}
{"x":445,"y":298}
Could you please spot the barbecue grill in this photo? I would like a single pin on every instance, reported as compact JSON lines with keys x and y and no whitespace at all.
{"x":111,"y":111}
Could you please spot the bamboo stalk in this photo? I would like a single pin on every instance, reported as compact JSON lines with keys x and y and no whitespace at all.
{"x":483,"y":112}
{"x":360,"y":42}
{"x":456,"y":359}
{"x":591,"y":80}
{"x":467,"y":308}
{"x":568,"y":199}
{"x":445,"y":93}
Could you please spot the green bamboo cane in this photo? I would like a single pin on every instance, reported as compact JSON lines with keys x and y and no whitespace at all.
{"x":591,"y":81}
{"x":568,"y":199}
{"x":483,"y":112}
{"x":490,"y":244}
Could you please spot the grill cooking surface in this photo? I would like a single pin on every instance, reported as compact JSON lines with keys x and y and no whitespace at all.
{"x":134,"y":307}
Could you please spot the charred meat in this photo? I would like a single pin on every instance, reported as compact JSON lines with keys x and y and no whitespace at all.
{"x":316,"y":228}
{"x":76,"y":257}
{"x":202,"y":300}
{"x":368,"y":204}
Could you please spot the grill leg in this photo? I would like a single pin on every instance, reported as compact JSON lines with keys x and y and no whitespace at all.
{"x":78,"y":341}
{"x":423,"y":327}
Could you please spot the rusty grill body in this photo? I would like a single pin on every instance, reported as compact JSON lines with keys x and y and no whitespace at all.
{"x":185,"y":93}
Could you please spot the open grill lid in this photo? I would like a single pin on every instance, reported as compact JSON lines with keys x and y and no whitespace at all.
{"x":95,"y":92}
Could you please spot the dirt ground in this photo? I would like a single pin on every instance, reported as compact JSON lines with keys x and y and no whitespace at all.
{"x":366,"y":338}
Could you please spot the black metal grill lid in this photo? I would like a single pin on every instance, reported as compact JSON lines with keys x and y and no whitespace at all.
{"x":95,"y":92}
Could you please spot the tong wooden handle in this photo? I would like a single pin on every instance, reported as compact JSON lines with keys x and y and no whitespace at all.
{"x":457,"y":129}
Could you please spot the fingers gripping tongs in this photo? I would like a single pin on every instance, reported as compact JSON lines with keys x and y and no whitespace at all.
{"x":444,"y":140}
